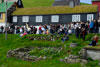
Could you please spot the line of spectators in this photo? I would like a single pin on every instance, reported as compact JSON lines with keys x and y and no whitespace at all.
{"x":79,"y":28}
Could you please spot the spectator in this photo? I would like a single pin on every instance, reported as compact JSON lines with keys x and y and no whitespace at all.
{"x":94,"y":41}
{"x":40,"y":29}
{"x":77,"y":32}
{"x":83,"y":32}
{"x":91,"y":26}
{"x":64,"y":38}
{"x":96,"y":27}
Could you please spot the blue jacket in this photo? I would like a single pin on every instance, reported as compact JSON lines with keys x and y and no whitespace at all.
{"x":91,"y":24}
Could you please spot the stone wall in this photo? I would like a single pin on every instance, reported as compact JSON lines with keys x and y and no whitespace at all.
{"x":88,"y":52}
{"x":94,"y":54}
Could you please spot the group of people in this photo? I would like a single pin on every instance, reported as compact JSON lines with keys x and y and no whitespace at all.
{"x":80,"y":29}
{"x":75,"y":27}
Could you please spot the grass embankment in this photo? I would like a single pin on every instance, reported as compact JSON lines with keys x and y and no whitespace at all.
{"x":85,"y":4}
{"x":14,"y":41}
{"x":39,"y":3}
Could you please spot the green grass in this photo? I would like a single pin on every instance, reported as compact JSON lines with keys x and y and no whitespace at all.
{"x":39,"y":3}
{"x":56,"y":10}
{"x":84,"y":4}
{"x":14,"y":41}
{"x":44,"y":7}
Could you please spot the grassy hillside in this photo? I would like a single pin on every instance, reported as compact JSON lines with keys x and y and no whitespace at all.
{"x":15,"y":41}
{"x":84,"y":4}
{"x":38,"y":3}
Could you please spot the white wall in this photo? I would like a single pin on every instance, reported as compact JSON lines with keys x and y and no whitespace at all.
{"x":3,"y":24}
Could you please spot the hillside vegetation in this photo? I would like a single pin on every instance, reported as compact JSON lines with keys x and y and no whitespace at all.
{"x":39,"y":3}
{"x":15,"y":41}
{"x":84,"y":4}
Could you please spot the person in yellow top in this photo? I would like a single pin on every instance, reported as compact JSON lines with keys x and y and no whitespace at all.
{"x":47,"y":31}
{"x":27,"y":26}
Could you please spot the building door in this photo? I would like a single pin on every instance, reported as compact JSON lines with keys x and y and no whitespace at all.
{"x":71,"y":4}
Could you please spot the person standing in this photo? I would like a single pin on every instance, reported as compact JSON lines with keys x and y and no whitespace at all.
{"x":83,"y":32}
{"x":40,"y":29}
{"x":96,"y":27}
{"x":91,"y":26}
{"x":77,"y":32}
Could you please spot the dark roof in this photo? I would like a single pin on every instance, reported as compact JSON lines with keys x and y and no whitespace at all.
{"x":56,"y":10}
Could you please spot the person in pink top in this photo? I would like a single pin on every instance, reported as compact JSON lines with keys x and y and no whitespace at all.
{"x":25,"y":33}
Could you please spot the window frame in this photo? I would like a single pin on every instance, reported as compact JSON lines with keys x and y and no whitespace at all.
{"x":39,"y":19}
{"x":15,"y":17}
{"x":76,"y":18}
{"x":25,"y":19}
{"x":55,"y":16}
{"x":88,"y":17}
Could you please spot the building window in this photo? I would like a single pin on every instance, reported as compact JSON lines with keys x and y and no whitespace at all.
{"x":90,"y":17}
{"x":75,"y":18}
{"x":0,"y":15}
{"x":25,"y":19}
{"x":55,"y":18}
{"x":39,"y":18}
{"x":14,"y":18}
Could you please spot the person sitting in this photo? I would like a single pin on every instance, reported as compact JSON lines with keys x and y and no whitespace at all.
{"x":94,"y":41}
{"x":69,"y":31}
{"x":64,"y":38}
{"x":24,"y":34}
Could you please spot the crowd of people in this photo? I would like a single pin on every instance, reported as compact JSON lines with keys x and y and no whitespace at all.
{"x":80,"y":29}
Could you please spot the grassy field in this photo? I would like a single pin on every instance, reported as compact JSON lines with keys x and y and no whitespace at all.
{"x":39,"y":3}
{"x":84,"y":4}
{"x":15,"y":41}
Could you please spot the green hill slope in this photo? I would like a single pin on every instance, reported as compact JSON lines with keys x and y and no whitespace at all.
{"x":39,"y":3}
{"x":14,"y":41}
{"x":84,"y":4}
